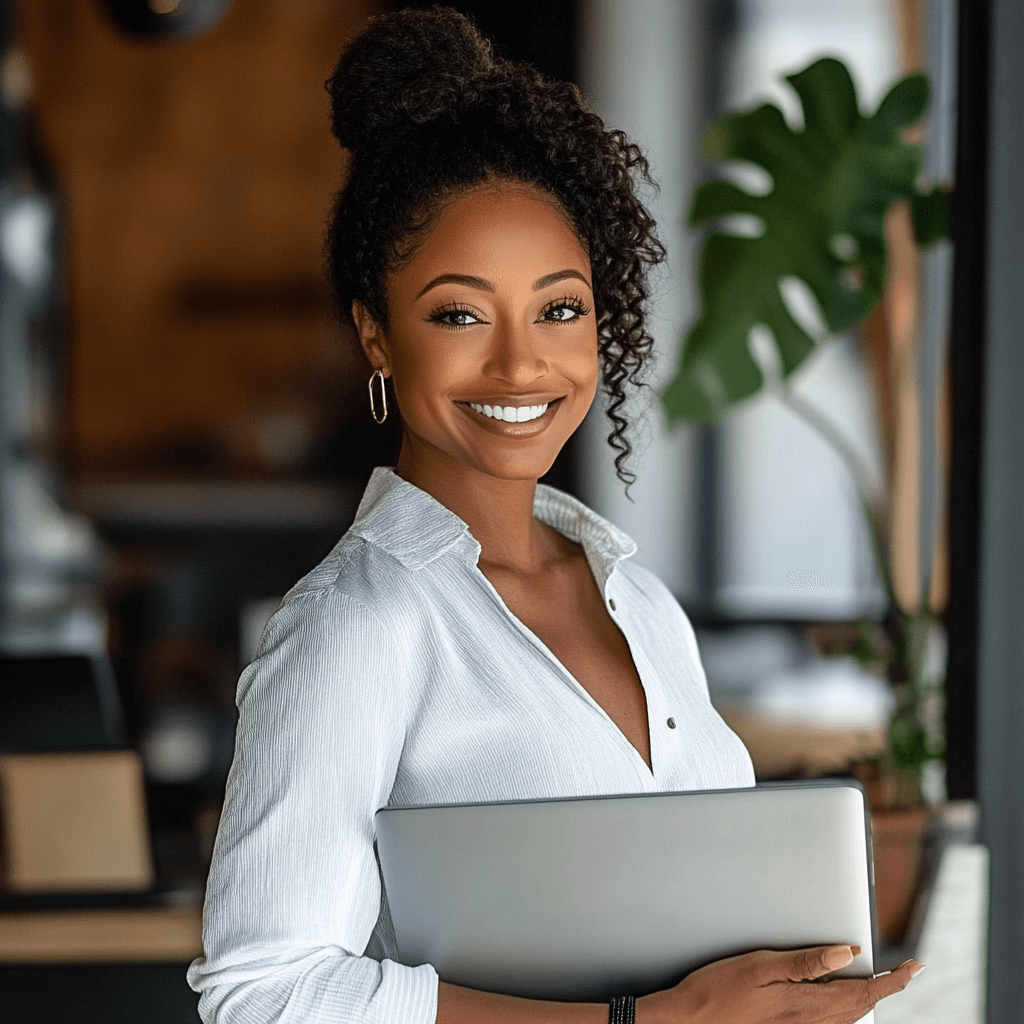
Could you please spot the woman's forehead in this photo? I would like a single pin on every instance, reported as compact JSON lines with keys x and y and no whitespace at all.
{"x":500,"y":230}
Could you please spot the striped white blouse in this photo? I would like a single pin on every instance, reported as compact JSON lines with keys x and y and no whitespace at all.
{"x":394,"y":674}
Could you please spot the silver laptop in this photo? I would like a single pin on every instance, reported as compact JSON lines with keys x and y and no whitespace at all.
{"x":588,"y":898}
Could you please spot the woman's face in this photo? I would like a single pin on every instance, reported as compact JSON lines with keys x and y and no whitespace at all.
{"x":492,"y":340}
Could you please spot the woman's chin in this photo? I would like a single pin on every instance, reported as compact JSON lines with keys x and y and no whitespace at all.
{"x":515,"y":468}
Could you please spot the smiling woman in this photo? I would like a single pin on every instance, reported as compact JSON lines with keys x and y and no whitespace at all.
{"x":475,"y":636}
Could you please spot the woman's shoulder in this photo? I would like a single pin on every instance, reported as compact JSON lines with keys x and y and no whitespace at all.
{"x":336,"y":627}
{"x":397,"y":530}
{"x":354,"y":581}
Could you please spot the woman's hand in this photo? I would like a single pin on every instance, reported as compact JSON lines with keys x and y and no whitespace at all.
{"x":771,"y":988}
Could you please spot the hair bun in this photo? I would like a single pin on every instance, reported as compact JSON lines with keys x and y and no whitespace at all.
{"x":408,"y":68}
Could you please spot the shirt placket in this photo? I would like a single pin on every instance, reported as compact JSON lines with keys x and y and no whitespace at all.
{"x":643,"y":773}
{"x":620,"y":615}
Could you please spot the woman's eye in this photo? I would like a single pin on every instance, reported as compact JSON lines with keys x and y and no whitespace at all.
{"x":564,"y":312}
{"x":454,"y":318}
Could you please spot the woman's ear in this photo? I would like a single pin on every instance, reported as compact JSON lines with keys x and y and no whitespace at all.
{"x":371,"y":338}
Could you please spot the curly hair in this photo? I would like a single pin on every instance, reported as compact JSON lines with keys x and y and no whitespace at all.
{"x":427,"y":112}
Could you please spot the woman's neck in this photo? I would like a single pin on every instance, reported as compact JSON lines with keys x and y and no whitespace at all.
{"x":499,"y":513}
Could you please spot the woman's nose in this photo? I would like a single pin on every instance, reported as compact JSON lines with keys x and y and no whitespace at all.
{"x":516,"y":357}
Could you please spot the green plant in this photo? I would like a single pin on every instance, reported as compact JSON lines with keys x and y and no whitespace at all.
{"x":821,"y":222}
{"x":832,"y":184}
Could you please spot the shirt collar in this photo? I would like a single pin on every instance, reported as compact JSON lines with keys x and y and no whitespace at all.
{"x":415,"y":528}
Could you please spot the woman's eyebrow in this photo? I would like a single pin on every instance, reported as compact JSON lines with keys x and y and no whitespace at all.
{"x":559,"y":275}
{"x":466,"y":279}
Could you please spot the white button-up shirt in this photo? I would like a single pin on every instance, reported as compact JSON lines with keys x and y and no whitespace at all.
{"x":394,"y":674}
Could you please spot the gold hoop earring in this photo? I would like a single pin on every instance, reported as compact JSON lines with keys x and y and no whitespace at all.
{"x":383,"y":398}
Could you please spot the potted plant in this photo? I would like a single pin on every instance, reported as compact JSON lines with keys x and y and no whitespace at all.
{"x":833,"y":183}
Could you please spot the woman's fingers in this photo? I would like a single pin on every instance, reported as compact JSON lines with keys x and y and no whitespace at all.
{"x":806,"y":964}
{"x":860,"y":995}
{"x":895,"y":981}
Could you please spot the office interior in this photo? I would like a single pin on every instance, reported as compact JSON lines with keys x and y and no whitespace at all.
{"x":185,"y":432}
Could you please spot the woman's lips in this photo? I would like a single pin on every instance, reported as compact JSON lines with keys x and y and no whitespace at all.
{"x":507,"y":427}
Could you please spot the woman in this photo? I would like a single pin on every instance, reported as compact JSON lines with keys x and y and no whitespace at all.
{"x":474,"y":636}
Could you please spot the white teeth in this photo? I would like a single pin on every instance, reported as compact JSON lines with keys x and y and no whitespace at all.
{"x":511,"y":413}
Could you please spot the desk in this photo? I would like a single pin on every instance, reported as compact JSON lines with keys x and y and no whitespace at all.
{"x":122,"y":965}
{"x":125,"y":935}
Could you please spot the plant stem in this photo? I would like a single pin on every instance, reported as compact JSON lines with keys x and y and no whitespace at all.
{"x":836,"y":440}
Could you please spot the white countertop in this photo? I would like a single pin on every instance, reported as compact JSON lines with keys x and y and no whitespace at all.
{"x":952,"y":945}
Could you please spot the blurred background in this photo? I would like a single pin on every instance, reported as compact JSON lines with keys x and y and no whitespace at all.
{"x":184,"y":432}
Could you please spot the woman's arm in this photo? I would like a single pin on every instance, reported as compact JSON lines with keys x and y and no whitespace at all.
{"x":294,"y":890}
{"x":458,"y":1005}
{"x":757,"y":988}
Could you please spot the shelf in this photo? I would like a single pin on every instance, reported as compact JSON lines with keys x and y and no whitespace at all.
{"x":190,"y":504}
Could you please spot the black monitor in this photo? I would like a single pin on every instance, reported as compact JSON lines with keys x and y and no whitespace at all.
{"x":59,"y":702}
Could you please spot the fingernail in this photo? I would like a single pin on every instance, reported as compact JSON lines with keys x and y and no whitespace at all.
{"x":835,"y":959}
{"x":917,"y":970}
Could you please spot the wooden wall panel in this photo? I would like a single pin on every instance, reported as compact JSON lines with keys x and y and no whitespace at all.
{"x":196,"y":177}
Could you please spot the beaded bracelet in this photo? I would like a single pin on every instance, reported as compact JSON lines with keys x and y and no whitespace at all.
{"x":622,"y":1010}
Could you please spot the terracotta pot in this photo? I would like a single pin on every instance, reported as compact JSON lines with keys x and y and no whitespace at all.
{"x":898,"y":838}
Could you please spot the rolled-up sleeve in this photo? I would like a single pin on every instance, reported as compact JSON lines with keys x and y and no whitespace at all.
{"x":294,"y":891}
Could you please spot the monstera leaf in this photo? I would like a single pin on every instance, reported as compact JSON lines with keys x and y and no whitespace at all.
{"x":832,"y":183}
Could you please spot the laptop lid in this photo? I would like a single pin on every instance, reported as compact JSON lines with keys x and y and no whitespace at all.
{"x":587,"y":898}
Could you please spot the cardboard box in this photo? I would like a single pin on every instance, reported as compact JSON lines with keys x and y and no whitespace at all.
{"x":74,"y":822}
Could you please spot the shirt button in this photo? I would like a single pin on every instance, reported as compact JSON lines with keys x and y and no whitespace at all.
{"x":611,"y":603}
{"x":671,"y":723}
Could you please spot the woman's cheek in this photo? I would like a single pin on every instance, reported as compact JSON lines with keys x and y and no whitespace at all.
{"x":584,"y":369}
{"x":414,"y":368}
